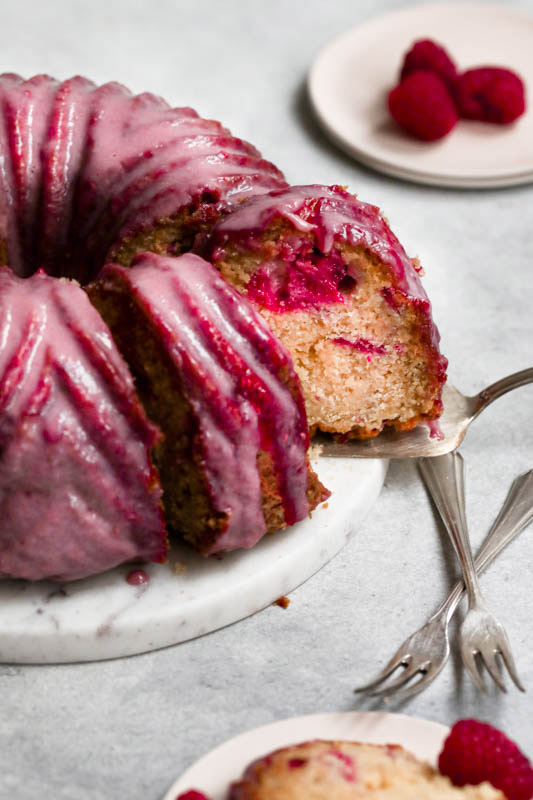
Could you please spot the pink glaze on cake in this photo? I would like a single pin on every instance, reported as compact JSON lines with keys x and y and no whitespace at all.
{"x":229,"y":364}
{"x":82,"y":167}
{"x":137,"y":577}
{"x":333,"y":215}
{"x":78,"y":492}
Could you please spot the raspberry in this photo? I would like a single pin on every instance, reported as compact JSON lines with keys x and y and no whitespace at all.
{"x":492,"y":94}
{"x":475,"y":752}
{"x":423,"y":106}
{"x":192,"y":794}
{"x":429,"y":56}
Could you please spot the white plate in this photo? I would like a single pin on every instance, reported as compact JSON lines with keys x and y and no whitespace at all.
{"x":105,"y":617}
{"x":214,"y":772}
{"x":349,"y":81}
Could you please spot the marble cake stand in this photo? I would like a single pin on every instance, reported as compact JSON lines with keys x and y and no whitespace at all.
{"x":107,"y":617}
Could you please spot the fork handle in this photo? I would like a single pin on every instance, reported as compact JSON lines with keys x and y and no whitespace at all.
{"x":501,"y":387}
{"x":445,"y":478}
{"x":515,"y":515}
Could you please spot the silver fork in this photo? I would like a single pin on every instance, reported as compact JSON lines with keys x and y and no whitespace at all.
{"x":426,"y":651}
{"x":481,"y":634}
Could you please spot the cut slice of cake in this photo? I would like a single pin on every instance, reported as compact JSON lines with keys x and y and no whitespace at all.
{"x":339,"y":770}
{"x":337,"y":288}
{"x":209,"y":372}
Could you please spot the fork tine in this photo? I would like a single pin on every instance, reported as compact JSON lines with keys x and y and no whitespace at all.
{"x":505,"y":652}
{"x":413,"y":689}
{"x":417,"y":686}
{"x":490,"y":659}
{"x":469,"y":661}
{"x":401,"y":680}
{"x":396,"y":661}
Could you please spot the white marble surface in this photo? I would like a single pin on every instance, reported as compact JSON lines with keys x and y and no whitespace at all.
{"x":126,"y":728}
{"x":106,"y":616}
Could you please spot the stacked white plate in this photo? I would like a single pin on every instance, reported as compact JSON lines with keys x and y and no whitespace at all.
{"x":351,"y":77}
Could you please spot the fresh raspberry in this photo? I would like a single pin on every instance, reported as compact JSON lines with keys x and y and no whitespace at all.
{"x":429,"y":56}
{"x":192,"y":794}
{"x":492,"y":94}
{"x":475,"y":752}
{"x":423,"y":106}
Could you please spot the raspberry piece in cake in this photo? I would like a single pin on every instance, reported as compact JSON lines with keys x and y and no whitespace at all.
{"x":490,"y":94}
{"x":475,"y":752}
{"x":423,"y":106}
{"x":428,"y":56}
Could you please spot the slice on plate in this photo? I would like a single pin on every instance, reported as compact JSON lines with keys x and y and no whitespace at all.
{"x":340,"y":770}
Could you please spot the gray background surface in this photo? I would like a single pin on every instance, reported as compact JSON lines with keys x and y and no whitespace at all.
{"x":127,"y":728}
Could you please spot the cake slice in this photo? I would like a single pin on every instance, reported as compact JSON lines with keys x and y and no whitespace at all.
{"x":336,"y":287}
{"x":78,"y":491}
{"x":339,"y":770}
{"x":233,"y":461}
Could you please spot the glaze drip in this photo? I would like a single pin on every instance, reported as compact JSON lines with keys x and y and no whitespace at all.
{"x":230,"y":367}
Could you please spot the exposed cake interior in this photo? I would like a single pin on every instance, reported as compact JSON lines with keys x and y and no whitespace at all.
{"x":362,"y":340}
{"x":233,"y":461}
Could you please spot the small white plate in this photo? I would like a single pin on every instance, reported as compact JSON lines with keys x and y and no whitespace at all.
{"x":351,"y":77}
{"x":214,"y":772}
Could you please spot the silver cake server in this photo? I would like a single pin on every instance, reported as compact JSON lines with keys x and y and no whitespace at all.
{"x":459,"y":411}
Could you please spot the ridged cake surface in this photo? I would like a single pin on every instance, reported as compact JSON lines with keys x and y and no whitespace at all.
{"x":227,"y":399}
{"x":91,"y":172}
{"x":78,"y":492}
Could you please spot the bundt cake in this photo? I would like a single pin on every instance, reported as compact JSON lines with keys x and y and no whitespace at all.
{"x":339,"y":770}
{"x":223,"y":391}
{"x":78,"y":492}
{"x":337,"y":288}
{"x":93,"y":176}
